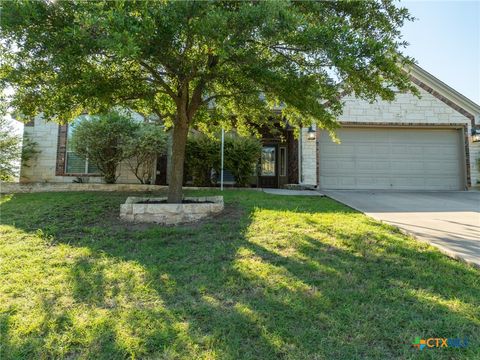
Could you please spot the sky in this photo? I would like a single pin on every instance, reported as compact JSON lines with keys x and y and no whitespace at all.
{"x":445,"y":41}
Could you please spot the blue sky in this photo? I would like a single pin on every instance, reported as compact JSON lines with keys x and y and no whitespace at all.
{"x":445,"y":41}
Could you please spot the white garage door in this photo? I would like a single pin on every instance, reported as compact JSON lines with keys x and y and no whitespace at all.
{"x":414,"y":159}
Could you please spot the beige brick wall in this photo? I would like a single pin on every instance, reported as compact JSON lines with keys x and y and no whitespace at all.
{"x":407,"y":109}
{"x":308,"y":158}
{"x":42,"y":168}
{"x":474,"y":158}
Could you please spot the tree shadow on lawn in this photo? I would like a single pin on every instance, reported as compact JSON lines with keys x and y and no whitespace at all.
{"x":272,"y":278}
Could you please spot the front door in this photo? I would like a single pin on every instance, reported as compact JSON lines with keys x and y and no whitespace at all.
{"x":161,"y":170}
{"x":269,"y":167}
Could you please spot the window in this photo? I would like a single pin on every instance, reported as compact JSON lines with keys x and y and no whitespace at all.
{"x":283,"y":161}
{"x":74,"y":164}
{"x":268,"y":161}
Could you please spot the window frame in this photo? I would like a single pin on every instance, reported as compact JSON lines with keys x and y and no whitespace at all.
{"x":85,"y":173}
{"x":282,"y":160}
{"x":274,"y":162}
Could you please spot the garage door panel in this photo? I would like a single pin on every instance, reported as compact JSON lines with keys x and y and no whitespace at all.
{"x":404,"y":159}
{"x":372,"y":182}
{"x":371,"y":148}
{"x":439,"y":183}
{"x":336,"y":167}
{"x":441,"y":167}
{"x":411,"y":150}
{"x":335,"y":181}
{"x":406,"y":183}
{"x":440,"y":151}
{"x":404,"y":167}
{"x":364,"y":166}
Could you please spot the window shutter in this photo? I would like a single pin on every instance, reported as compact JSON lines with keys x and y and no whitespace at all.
{"x":61,"y":150}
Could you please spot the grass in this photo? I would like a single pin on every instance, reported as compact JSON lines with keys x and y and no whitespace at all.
{"x":272,"y":278}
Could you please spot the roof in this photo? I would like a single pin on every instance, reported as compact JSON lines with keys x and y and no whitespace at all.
{"x":446,"y":91}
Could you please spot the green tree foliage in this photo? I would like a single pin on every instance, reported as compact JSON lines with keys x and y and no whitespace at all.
{"x":10,"y":150}
{"x":177,"y":58}
{"x":13,"y":152}
{"x":29,"y":151}
{"x":241,"y":156}
{"x":142,"y":149}
{"x":102,"y":138}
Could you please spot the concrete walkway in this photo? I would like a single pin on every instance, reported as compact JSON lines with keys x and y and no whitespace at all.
{"x":449,"y":220}
{"x":293,"y":192}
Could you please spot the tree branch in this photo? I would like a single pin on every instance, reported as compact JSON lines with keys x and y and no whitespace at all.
{"x":196,"y":100}
{"x":161,"y":81}
{"x":216,"y":96}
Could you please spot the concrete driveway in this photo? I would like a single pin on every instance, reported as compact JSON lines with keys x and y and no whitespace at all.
{"x":449,"y":220}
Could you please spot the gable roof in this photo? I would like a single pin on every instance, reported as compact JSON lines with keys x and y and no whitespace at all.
{"x":445,"y":93}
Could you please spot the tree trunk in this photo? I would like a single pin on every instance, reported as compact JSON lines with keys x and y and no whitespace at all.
{"x":179,"y":142}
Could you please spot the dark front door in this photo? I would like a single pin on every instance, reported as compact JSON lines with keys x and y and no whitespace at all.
{"x":269,"y":167}
{"x":161,"y":171}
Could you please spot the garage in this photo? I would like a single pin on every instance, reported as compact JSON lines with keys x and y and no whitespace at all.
{"x":392,"y":158}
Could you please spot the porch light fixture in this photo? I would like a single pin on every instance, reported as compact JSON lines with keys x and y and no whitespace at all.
{"x":475,"y":135}
{"x":311,"y":134}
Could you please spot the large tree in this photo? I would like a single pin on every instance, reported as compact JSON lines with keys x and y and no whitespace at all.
{"x":177,"y":59}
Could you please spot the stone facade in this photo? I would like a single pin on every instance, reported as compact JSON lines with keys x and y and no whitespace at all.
{"x":45,"y":167}
{"x":406,"y":108}
{"x":170,"y":214}
{"x":42,"y":167}
{"x":13,"y":188}
{"x":474,"y":162}
{"x":308,"y":159}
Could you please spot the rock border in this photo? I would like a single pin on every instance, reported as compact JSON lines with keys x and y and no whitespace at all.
{"x":12,"y":188}
{"x":170,"y":214}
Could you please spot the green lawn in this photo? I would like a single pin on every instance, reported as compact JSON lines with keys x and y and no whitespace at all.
{"x":272,"y":278}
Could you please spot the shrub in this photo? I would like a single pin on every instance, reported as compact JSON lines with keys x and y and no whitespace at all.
{"x":29,"y":150}
{"x":202,"y":155}
{"x":10,"y":150}
{"x":13,"y":152}
{"x":101,"y":139}
{"x":241,"y":155}
{"x":143,"y":148}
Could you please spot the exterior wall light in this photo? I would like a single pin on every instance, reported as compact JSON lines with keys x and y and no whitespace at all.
{"x":475,"y":135}
{"x":311,"y":133}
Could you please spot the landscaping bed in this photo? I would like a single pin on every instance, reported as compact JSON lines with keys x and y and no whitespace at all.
{"x":158,"y":210}
{"x":271,"y":277}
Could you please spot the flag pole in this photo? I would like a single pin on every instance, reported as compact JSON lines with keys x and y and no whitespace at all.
{"x":221,"y":161}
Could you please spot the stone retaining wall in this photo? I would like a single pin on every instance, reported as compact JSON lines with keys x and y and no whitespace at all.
{"x":170,"y":214}
{"x":10,"y":188}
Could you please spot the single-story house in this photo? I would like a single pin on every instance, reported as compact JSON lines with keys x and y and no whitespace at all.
{"x":411,"y":143}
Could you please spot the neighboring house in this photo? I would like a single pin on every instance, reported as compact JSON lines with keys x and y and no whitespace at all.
{"x":410,"y":143}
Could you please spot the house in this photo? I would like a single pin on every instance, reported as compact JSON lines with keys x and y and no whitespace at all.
{"x":411,"y":143}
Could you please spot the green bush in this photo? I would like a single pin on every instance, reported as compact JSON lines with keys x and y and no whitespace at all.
{"x":10,"y":150}
{"x":241,"y":155}
{"x":13,"y":151}
{"x":203,"y":155}
{"x":142,"y":149}
{"x":101,"y":139}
